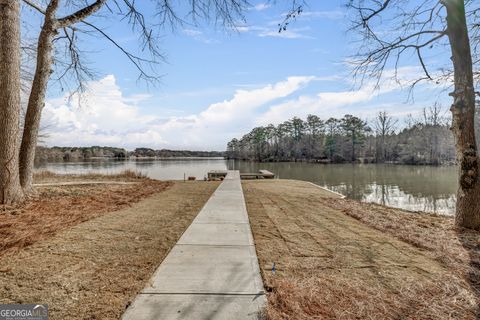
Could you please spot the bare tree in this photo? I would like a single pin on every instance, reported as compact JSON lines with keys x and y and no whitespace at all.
{"x":10,"y":191}
{"x":62,"y":30}
{"x":384,"y":125}
{"x":392,"y":29}
{"x":36,"y":101}
{"x":316,"y":128}
{"x":434,"y":115}
{"x":434,"y":119}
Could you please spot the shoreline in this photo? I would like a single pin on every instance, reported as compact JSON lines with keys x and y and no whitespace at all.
{"x":310,"y":161}
{"x":77,"y":176}
{"x":56,"y":160}
{"x":313,"y":161}
{"x":311,"y":234}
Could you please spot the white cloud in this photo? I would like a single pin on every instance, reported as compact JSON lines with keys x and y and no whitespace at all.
{"x":192,"y":32}
{"x":290,"y":33}
{"x":272,"y":27}
{"x":199,"y":36}
{"x":333,"y":14}
{"x":244,"y":101}
{"x":262,"y":6}
{"x":336,"y":103}
{"x":272,"y":30}
{"x":243,"y":28}
{"x":324,"y":104}
{"x":106,"y":117}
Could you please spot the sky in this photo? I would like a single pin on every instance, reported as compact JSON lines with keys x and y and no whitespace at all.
{"x":218,"y":84}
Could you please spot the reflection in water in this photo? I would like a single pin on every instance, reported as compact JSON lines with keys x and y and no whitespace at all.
{"x":417,"y":188}
{"x":171,"y":169}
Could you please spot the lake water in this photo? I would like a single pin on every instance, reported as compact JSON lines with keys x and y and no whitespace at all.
{"x":416,"y":188}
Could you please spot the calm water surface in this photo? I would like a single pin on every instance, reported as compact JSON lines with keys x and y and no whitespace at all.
{"x":171,"y":169}
{"x":417,"y":188}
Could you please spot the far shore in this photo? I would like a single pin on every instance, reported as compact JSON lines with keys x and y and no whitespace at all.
{"x":312,"y":161}
{"x":129,"y":158}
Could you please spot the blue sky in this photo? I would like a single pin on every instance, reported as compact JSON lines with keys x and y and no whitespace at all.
{"x":218,"y":84}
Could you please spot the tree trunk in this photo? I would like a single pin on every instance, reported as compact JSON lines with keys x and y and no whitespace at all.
{"x":353,"y":146}
{"x":36,"y":100}
{"x":463,"y":111}
{"x":10,"y":190}
{"x":384,"y":148}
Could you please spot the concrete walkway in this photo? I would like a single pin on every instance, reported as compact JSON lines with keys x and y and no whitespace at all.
{"x":212,"y":272}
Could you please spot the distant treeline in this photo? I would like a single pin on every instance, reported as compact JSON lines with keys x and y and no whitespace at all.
{"x":166,"y":153}
{"x":427,"y":140}
{"x":78,"y":153}
{"x":82,"y":153}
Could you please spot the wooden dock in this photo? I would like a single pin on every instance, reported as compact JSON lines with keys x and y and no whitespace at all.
{"x":261,"y":174}
{"x":217,"y":174}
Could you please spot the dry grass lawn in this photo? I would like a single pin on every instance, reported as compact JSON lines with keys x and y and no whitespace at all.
{"x":94,"y":266}
{"x":330,"y":265}
{"x":56,"y":207}
{"x":128,"y":175}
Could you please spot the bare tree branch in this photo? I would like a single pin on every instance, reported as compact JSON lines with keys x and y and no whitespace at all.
{"x":34,"y":6}
{"x":136,"y":60}
{"x":80,"y":14}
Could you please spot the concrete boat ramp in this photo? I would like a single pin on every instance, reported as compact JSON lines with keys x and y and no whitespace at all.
{"x":212,"y":272}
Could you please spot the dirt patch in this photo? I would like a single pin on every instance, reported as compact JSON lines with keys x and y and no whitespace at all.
{"x":94,"y":269}
{"x":331,"y":266}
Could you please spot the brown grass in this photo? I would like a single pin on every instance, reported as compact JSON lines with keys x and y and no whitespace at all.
{"x":344,"y":297}
{"x":94,"y":270}
{"x":332,"y":266}
{"x":45,"y":176}
{"x":456,"y":249}
{"x":57,"y":208}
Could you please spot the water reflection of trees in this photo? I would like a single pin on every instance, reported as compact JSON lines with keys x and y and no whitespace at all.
{"x":394,"y":197}
{"x":422,"y":188}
